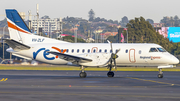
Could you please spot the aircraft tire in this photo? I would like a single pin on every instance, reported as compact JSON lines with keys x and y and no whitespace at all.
{"x":160,"y":75}
{"x":110,"y":74}
{"x":82,"y":74}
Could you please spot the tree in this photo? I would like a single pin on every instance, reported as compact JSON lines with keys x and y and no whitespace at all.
{"x":150,"y":21}
{"x":91,"y":15}
{"x":124,"y":21}
{"x":140,"y":31}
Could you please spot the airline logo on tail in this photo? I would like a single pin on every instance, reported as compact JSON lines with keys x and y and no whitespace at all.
{"x":15,"y":21}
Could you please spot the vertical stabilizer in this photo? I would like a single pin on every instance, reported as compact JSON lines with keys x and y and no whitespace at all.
{"x":16,"y":25}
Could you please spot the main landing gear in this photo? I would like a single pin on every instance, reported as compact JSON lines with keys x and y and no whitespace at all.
{"x":110,"y":73}
{"x":160,"y":75}
{"x":82,"y":74}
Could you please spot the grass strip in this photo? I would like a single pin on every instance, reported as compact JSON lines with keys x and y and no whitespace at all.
{"x":8,"y":67}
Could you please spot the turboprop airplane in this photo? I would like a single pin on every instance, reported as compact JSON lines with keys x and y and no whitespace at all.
{"x":27,"y":45}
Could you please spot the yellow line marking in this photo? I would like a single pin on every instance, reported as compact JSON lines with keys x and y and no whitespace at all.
{"x":6,"y":79}
{"x":154,"y":81}
{"x":3,"y":79}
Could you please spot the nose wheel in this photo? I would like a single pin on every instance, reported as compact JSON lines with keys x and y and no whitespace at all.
{"x":160,"y":75}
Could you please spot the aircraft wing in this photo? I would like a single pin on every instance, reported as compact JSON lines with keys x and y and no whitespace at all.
{"x":16,"y":45}
{"x":70,"y":58}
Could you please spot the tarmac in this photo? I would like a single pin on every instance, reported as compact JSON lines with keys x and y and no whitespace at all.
{"x":47,"y":85}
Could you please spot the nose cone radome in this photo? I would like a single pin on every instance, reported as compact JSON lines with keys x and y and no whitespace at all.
{"x":174,"y":60}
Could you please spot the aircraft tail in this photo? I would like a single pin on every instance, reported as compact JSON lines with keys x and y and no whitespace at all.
{"x":20,"y":32}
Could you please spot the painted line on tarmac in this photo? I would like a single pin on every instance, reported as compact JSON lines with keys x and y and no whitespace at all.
{"x":3,"y":79}
{"x":171,"y":84}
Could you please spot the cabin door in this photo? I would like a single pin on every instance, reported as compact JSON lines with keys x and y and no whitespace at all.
{"x":132,"y":58}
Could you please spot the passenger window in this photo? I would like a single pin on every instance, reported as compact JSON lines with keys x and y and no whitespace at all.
{"x":100,"y":50}
{"x":88,"y":50}
{"x":72,"y":50}
{"x":105,"y":50}
{"x":67,"y":50}
{"x":111,"y":51}
{"x":126,"y":51}
{"x":153,"y":50}
{"x":61,"y":50}
{"x":77,"y":50}
{"x":83,"y":51}
{"x":94,"y":51}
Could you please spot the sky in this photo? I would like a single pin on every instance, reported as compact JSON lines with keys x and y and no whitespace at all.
{"x":108,"y":9}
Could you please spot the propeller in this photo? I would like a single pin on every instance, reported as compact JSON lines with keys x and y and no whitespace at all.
{"x":113,"y":55}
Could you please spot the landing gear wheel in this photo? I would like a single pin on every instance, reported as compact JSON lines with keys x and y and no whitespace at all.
{"x":82,"y":74}
{"x":160,"y":75}
{"x":110,"y":74}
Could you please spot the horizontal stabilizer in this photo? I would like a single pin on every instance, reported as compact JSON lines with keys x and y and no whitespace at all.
{"x":17,"y":46}
{"x":70,"y":58}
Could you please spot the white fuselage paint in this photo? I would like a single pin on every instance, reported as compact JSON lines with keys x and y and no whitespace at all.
{"x":129,"y":54}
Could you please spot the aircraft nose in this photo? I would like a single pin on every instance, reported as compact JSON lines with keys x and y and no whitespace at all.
{"x":174,"y":60}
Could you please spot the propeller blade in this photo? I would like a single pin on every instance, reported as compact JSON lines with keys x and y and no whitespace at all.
{"x":113,"y":56}
{"x":110,"y":45}
{"x":117,"y":51}
{"x":108,"y":41}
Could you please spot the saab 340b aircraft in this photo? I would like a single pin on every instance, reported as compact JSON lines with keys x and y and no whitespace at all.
{"x":30,"y":46}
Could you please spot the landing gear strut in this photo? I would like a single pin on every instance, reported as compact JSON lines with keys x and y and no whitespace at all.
{"x":160,"y":75}
{"x":110,"y":73}
{"x":82,"y":74}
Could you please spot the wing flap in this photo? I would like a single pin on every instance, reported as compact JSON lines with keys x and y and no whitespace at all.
{"x":16,"y":45}
{"x":71,"y":58}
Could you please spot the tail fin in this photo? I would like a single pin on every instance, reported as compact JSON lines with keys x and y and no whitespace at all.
{"x":19,"y":31}
{"x":16,"y":25}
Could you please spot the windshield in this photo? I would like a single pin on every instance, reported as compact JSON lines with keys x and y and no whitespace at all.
{"x":153,"y":50}
{"x":161,"y":49}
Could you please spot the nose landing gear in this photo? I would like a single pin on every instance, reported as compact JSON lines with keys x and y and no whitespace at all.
{"x":160,"y":75}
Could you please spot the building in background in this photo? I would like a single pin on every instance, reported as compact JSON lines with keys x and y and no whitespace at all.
{"x":158,"y":25}
{"x":47,"y":25}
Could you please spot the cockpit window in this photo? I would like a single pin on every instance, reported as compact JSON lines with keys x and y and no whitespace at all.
{"x":161,"y":49}
{"x":153,"y":50}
